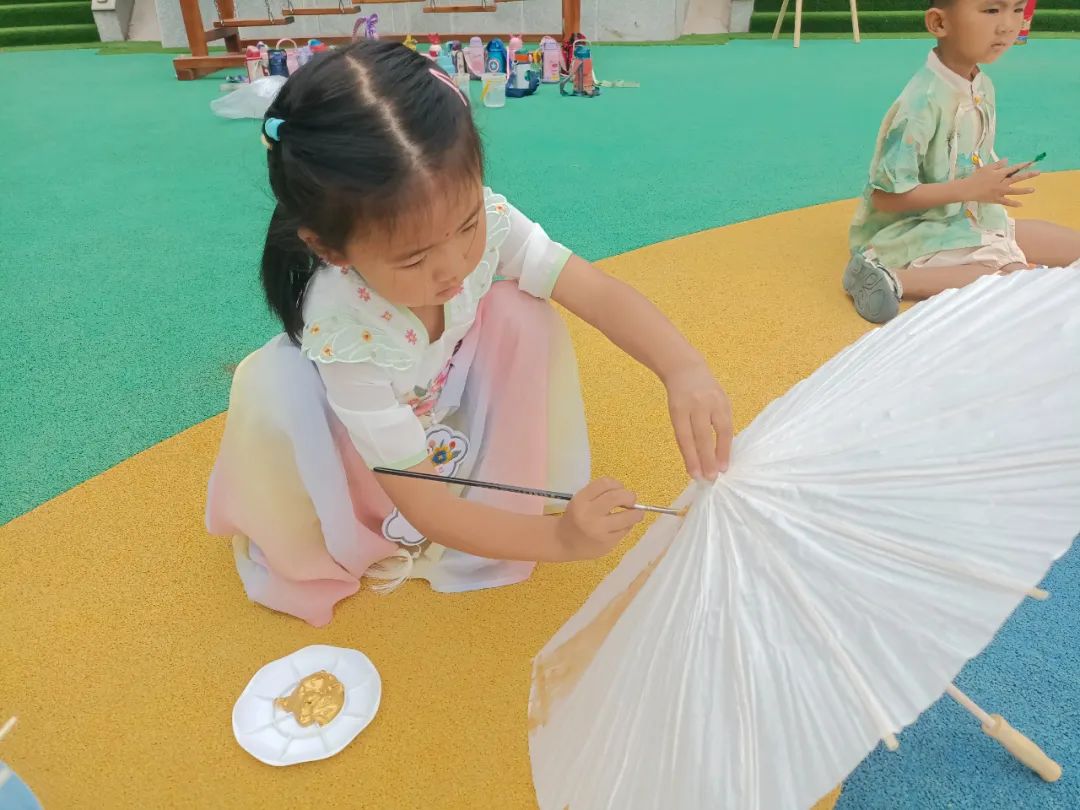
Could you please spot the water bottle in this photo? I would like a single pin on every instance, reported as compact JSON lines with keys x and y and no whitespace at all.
{"x":522,"y":68}
{"x":264,"y":55}
{"x":515,"y":45}
{"x":474,"y":56}
{"x":583,"y":55}
{"x":550,"y":60}
{"x":279,"y":65}
{"x":496,"y":57}
{"x":253,"y":63}
{"x":444,"y":61}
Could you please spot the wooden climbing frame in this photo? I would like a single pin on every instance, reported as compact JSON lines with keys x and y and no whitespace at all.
{"x":227,"y":28}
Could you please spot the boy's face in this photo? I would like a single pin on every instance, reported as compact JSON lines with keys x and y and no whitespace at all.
{"x":976,"y":31}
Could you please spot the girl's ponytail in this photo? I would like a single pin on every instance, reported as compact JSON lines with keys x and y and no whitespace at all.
{"x":287,"y":264}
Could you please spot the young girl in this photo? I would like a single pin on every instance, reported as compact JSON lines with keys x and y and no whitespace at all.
{"x":418,"y":335}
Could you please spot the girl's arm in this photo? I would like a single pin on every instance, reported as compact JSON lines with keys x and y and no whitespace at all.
{"x":587,"y":530}
{"x":700,"y":411}
{"x":388,"y":433}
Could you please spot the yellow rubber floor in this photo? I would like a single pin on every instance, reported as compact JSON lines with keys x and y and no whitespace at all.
{"x":127,"y":637}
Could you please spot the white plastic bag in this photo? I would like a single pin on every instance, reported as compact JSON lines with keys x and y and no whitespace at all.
{"x":249,"y":100}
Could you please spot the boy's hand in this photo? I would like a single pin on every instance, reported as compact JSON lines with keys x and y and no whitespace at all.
{"x":996,"y":183}
{"x":701,"y":415}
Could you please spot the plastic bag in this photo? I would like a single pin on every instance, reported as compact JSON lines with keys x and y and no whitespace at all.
{"x":249,"y":100}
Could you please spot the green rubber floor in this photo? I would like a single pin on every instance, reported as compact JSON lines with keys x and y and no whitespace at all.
{"x":131,"y":217}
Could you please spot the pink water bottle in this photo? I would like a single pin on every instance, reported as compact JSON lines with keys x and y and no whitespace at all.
{"x":515,"y":45}
{"x":474,"y":57}
{"x":253,"y":63}
{"x":550,"y":60}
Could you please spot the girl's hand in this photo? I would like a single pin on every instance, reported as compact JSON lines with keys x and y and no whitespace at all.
{"x":701,"y":415}
{"x":589,"y":528}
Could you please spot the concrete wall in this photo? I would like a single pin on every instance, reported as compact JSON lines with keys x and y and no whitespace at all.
{"x":632,"y":20}
{"x":112,"y":18}
{"x":707,"y":17}
{"x":604,"y":20}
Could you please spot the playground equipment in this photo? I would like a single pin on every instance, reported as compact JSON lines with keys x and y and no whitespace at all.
{"x":227,"y":28}
{"x":798,"y":21}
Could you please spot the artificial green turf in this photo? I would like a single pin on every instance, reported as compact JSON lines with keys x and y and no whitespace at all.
{"x":895,"y":21}
{"x":27,"y":14}
{"x":132,"y":218}
{"x":48,"y":34}
{"x":810,"y":6}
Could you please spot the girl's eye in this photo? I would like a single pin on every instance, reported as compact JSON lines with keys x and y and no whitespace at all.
{"x":472,"y":225}
{"x":417,"y":263}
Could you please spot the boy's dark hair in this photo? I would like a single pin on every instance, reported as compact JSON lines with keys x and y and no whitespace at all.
{"x":364,"y":131}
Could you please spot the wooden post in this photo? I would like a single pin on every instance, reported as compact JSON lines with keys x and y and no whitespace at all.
{"x":193,"y":26}
{"x":780,"y":19}
{"x":227,"y":8}
{"x":571,"y":18}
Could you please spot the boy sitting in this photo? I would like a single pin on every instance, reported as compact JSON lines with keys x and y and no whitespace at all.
{"x":933,"y":214}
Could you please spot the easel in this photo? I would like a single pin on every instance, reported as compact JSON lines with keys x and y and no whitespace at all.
{"x":227,"y":27}
{"x":798,"y":21}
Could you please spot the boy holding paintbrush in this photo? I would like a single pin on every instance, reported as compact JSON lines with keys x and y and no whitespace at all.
{"x":933,"y":213}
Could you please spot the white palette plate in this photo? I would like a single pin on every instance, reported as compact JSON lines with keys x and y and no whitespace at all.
{"x":273,"y":736}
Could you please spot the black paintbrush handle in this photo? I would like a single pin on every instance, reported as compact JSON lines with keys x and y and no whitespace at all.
{"x":540,"y":493}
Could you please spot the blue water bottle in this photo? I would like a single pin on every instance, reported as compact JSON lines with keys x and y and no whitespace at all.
{"x":444,"y":61}
{"x":496,"y":57}
{"x":279,"y":63}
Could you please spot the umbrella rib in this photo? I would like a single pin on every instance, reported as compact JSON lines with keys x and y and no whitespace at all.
{"x":926,"y":559}
{"x":828,"y":635}
{"x":983,"y":466}
{"x":743,"y":685}
{"x":809,"y":426}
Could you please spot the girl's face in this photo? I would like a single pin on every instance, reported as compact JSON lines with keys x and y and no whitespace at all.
{"x":422,"y":260}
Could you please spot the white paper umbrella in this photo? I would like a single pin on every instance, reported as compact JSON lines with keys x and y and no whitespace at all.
{"x":878,"y":524}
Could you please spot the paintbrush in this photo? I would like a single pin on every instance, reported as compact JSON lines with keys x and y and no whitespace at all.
{"x":1035,"y":160}
{"x":540,"y":493}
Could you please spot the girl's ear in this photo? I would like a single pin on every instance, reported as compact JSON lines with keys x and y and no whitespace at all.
{"x":935,"y":22}
{"x":315,"y":245}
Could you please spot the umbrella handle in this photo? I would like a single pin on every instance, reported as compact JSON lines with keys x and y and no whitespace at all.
{"x":1022,"y":748}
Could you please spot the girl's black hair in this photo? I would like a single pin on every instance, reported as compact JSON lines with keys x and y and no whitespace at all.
{"x":365,"y":131}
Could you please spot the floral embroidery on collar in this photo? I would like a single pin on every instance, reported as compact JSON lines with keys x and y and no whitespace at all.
{"x":368,"y":329}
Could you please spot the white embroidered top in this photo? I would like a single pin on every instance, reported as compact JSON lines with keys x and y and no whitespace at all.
{"x":382,"y":374}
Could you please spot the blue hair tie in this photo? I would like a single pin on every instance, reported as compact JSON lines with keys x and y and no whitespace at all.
{"x":271,"y":126}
